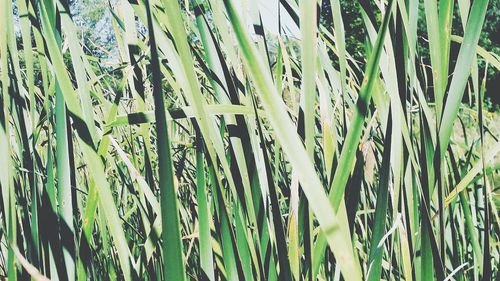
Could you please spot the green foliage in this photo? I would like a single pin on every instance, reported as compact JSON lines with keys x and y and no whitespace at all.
{"x":167,"y":140}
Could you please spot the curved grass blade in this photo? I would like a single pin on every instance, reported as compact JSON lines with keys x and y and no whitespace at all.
{"x":461,"y":72}
{"x":293,"y":147}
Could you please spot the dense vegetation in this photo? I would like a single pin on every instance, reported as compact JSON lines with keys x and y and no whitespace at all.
{"x":183,"y":140}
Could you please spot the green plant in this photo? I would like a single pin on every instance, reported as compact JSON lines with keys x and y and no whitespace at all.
{"x":207,"y":150}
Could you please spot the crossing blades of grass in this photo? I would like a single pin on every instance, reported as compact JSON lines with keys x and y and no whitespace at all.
{"x":293,"y":148}
{"x":237,"y":140}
